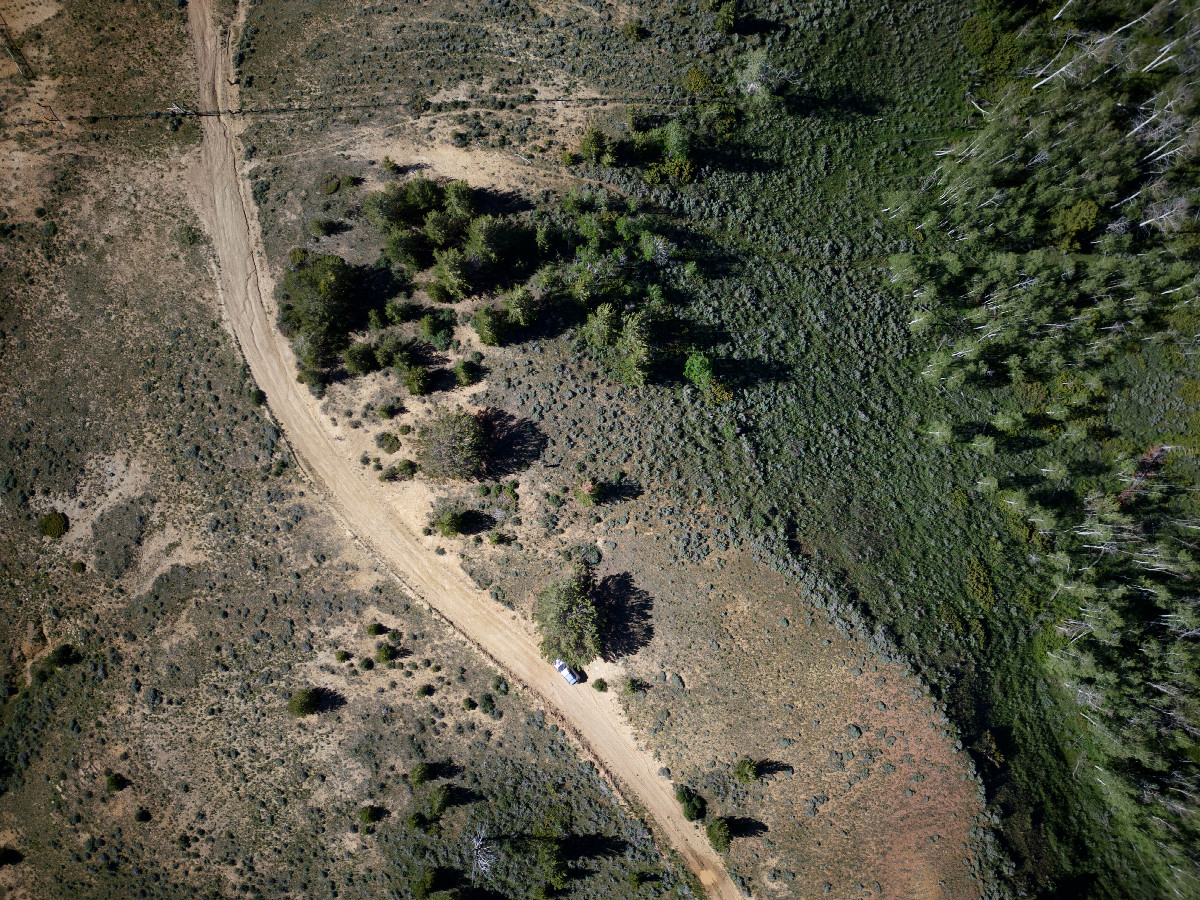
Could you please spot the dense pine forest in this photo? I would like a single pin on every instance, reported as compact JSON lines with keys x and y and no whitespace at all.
{"x":1053,"y":281}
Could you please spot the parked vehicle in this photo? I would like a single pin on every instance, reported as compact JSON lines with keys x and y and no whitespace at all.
{"x":566,"y":672}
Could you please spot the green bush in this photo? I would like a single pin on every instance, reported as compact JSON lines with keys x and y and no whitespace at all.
{"x":395,"y":350}
{"x":452,"y":446}
{"x":423,"y":884}
{"x":551,"y":867}
{"x":386,"y":653}
{"x":418,"y":380}
{"x":727,"y":17}
{"x":402,"y":205}
{"x":316,"y":308}
{"x":451,"y":272}
{"x":376,"y":628}
{"x":447,"y":523}
{"x":747,"y":770}
{"x":489,"y":326}
{"x":520,"y":307}
{"x":370,"y":814}
{"x":405,"y":249}
{"x":460,"y":199}
{"x":600,"y":685}
{"x":439,"y":800}
{"x":718,"y":833}
{"x":115,"y":783}
{"x":435,"y":329}
{"x":401,"y":311}
{"x":360,"y":359}
{"x":304,"y":703}
{"x":341,"y":656}
{"x":487,"y":240}
{"x":693,"y":804}
{"x":54,"y":524}
{"x":442,"y":229}
{"x":422,"y":773}
{"x":465,"y":373}
{"x":438,"y":294}
{"x":425,"y":690}
{"x":422,"y":196}
{"x":601,"y":328}
{"x":386,"y":442}
{"x":695,"y":81}
{"x":588,"y":493}
{"x":593,"y":145}
{"x":570,"y":620}
{"x":698,"y":370}
{"x":323,"y":227}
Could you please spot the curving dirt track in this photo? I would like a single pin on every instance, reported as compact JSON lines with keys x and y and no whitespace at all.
{"x":244,"y":282}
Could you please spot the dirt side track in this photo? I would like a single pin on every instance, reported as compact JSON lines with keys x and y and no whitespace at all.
{"x":244,"y":283}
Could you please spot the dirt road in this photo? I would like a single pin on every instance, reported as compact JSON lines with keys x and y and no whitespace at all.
{"x":245,"y":287}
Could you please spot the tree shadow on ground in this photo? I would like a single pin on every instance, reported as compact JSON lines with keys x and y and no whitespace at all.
{"x":751,"y":24}
{"x":328,"y":700}
{"x":376,"y":286}
{"x":463,"y":796}
{"x":769,"y":767}
{"x":838,"y":104}
{"x":747,"y":373}
{"x":333,"y":227}
{"x":620,"y":490}
{"x":515,"y":444}
{"x":475,"y":521}
{"x":578,"y":847}
{"x":441,"y":381}
{"x":489,"y":201}
{"x":627,"y":610}
{"x":742,"y":827}
{"x":446,"y":769}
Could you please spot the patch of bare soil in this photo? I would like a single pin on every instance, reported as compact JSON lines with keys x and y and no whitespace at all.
{"x":24,"y":14}
{"x":862,"y":782}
